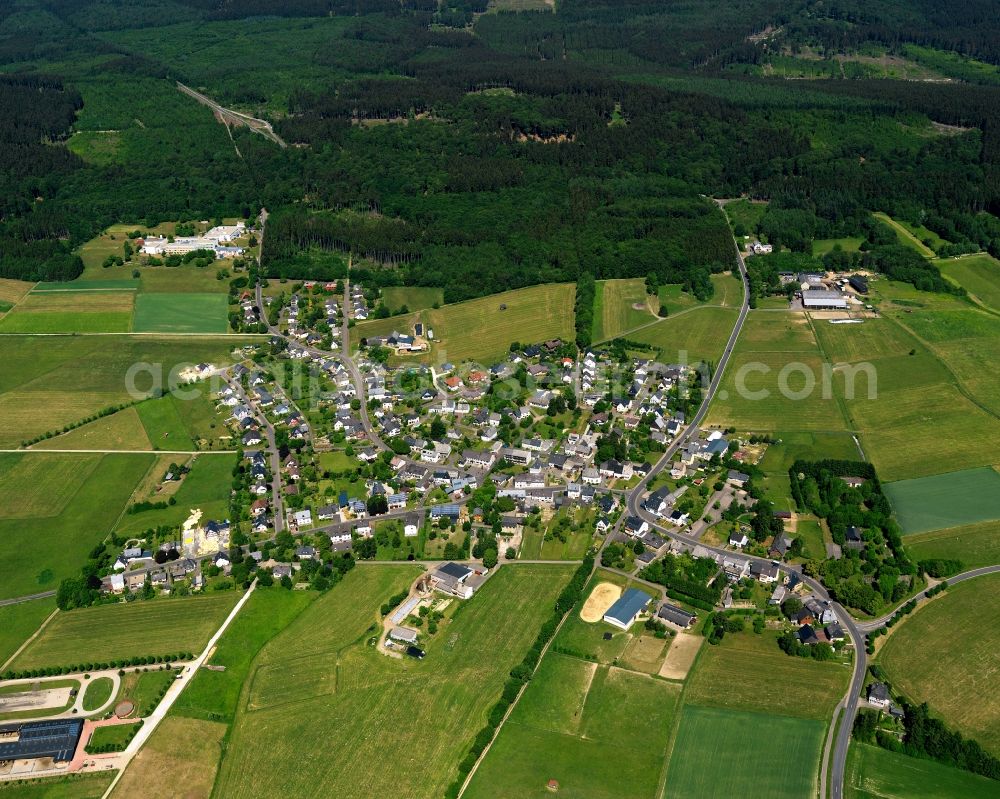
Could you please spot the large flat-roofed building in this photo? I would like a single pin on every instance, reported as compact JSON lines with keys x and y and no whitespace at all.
{"x":627,"y":609}
{"x":823,"y":299}
{"x":37,"y":739}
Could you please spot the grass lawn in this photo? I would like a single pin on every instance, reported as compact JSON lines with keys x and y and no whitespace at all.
{"x":416,"y":298}
{"x":876,"y":773}
{"x":745,"y":214}
{"x":698,"y":335}
{"x":977,"y":274}
{"x":50,"y":381}
{"x":947,"y":654}
{"x":19,"y":622}
{"x":614,"y":311}
{"x":599,"y":731}
{"x":320,"y":679}
{"x":76,"y":786}
{"x":117,"y":734}
{"x":975,"y":544}
{"x":109,"y":632}
{"x":811,"y":533}
{"x":769,"y":680}
{"x":71,"y":312}
{"x":912,"y":236}
{"x":54,"y":507}
{"x":143,"y":689}
{"x":205,"y":487}
{"x":181,"y":313}
{"x":751,"y":755}
{"x":214,"y":695}
{"x":97,"y":693}
{"x":946,"y":500}
{"x":187,"y":749}
{"x":821,"y":247}
{"x":163,"y":424}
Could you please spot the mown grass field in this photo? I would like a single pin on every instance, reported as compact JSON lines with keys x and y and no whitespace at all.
{"x":769,"y":680}
{"x":181,"y":313}
{"x":802,"y":445}
{"x":187,"y":749}
{"x":600,"y":731}
{"x":13,"y":291}
{"x":821,"y":247}
{"x":205,"y":487}
{"x":19,"y":622}
{"x":76,"y":786}
{"x":974,"y":544}
{"x":946,"y":500}
{"x":121,"y":430}
{"x":728,"y":294}
{"x":50,"y":381}
{"x":614,"y":311}
{"x":54,"y":508}
{"x":416,"y":298}
{"x":697,"y":335}
{"x":117,"y":734}
{"x":143,"y":688}
{"x":948,"y":654}
{"x":71,"y":312}
{"x":108,"y":632}
{"x":876,"y":773}
{"x":977,"y":274}
{"x":737,"y":753}
{"x":97,"y":692}
{"x":912,"y":236}
{"x":343,"y":689}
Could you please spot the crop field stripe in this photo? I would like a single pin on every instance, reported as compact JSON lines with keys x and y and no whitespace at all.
{"x":946,"y":500}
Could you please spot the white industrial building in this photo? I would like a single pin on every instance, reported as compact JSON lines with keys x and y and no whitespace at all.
{"x":824,"y":299}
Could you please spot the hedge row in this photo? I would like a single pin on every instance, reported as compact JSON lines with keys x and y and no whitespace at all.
{"x":73,"y":425}
{"x":523,"y":672}
{"x":115,"y":747}
{"x":54,"y":671}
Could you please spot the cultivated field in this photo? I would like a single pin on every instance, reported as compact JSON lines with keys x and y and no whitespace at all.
{"x":77,"y":786}
{"x":432,"y":707}
{"x":876,"y":773}
{"x":19,"y":622}
{"x":948,"y":655}
{"x":108,"y":632}
{"x":50,"y":381}
{"x":697,"y":335}
{"x":54,"y":508}
{"x":599,"y":731}
{"x":71,"y":312}
{"x":121,"y":430}
{"x":977,"y":274}
{"x":186,"y":749}
{"x":770,"y":681}
{"x":974,"y":544}
{"x":614,"y":311}
{"x":946,"y":500}
{"x":181,"y":313}
{"x":12,"y":291}
{"x":753,"y":755}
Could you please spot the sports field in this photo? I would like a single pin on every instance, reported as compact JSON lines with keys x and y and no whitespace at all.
{"x":876,"y":773}
{"x":690,"y":337}
{"x":181,"y":313}
{"x":948,"y":653}
{"x":770,"y":681}
{"x":54,"y":507}
{"x":71,"y":312}
{"x":599,"y":731}
{"x":50,"y":381}
{"x":975,"y":544}
{"x":614,"y":307}
{"x":977,"y":274}
{"x":108,"y":632}
{"x":416,"y":298}
{"x":736,"y":753}
{"x":19,"y":622}
{"x":320,"y":680}
{"x":946,"y":500}
{"x":186,"y":749}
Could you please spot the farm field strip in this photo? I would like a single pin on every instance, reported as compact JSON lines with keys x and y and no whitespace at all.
{"x":946,"y":500}
{"x":974,"y":545}
{"x":876,"y":773}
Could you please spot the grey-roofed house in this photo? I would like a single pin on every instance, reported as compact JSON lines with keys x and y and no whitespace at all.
{"x":450,"y":578}
{"x":405,"y":635}
{"x":626,"y":610}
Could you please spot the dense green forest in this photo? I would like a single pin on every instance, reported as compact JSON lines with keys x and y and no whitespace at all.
{"x":431,"y":142}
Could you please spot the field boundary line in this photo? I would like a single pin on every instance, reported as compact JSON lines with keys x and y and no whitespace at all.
{"x":841,"y":402}
{"x":27,"y":643}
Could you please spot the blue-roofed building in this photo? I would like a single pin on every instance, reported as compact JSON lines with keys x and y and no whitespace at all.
{"x":626,"y":610}
{"x":342,"y":499}
{"x":451,"y":511}
{"x":36,"y":739}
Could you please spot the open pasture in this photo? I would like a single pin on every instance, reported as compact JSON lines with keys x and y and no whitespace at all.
{"x":821,"y":247}
{"x":697,"y":335}
{"x":873,"y":338}
{"x":876,"y":773}
{"x":772,"y":332}
{"x":12,"y":291}
{"x":752,"y":755}
{"x":793,"y":446}
{"x":977,"y":274}
{"x":599,"y":731}
{"x":19,"y":622}
{"x":416,"y":298}
{"x":433,"y":707}
{"x":121,"y":430}
{"x":728,"y":294}
{"x":946,"y":500}
{"x":615,"y":310}
{"x":974,"y":544}
{"x":50,"y":381}
{"x":948,"y":654}
{"x":107,"y":632}
{"x":181,"y":313}
{"x":47,"y":529}
{"x":770,"y":681}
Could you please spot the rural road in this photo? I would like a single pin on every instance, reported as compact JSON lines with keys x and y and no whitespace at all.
{"x":17,"y":600}
{"x":229,"y":117}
